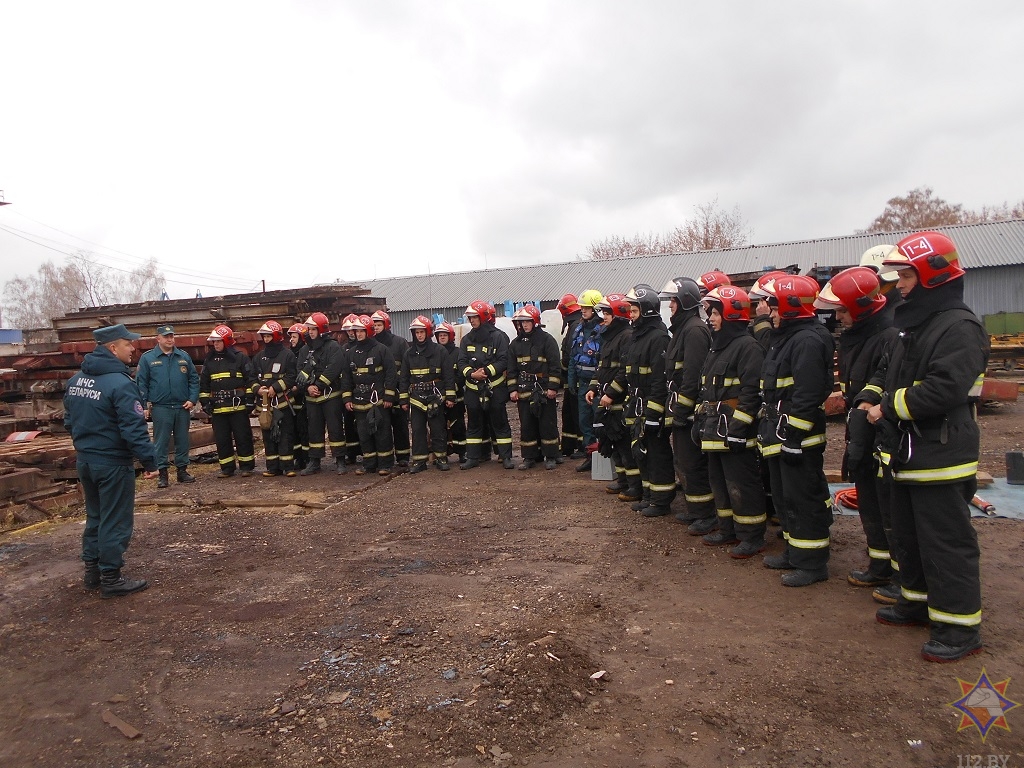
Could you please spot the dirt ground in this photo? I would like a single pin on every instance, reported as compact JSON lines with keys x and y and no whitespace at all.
{"x":459,"y":619}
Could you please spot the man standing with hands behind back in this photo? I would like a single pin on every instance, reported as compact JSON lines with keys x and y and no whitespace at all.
{"x":169,"y":384}
{"x":104,"y":414}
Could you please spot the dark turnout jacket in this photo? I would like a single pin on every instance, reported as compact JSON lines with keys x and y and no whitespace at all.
{"x":427,"y":373}
{"x":684,"y":359}
{"x":534,"y":357}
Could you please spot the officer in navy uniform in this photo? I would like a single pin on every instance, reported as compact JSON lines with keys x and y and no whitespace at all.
{"x":169,"y":384}
{"x":103,"y":411}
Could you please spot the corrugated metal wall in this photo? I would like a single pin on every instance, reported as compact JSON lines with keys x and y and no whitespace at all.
{"x":988,"y":290}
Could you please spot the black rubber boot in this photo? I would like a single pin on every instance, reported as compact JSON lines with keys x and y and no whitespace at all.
{"x":801,"y":577}
{"x":586,"y":465}
{"x":703,"y":526}
{"x":339,"y":466}
{"x":184,"y":476}
{"x":469,"y":464}
{"x":550,"y":463}
{"x":312,"y":467}
{"x":894,"y":617}
{"x":528,"y":464}
{"x":747,"y":549}
{"x":720,"y":539}
{"x":91,"y":579}
{"x":442,"y":464}
{"x":935,"y":650}
{"x":417,"y":466}
{"x":778,"y":562}
{"x":887,"y":594}
{"x":656,"y":510}
{"x":162,"y":482}
{"x":113,"y":584}
{"x":877,"y":573}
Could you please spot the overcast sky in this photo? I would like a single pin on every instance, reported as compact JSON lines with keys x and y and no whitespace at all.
{"x":313,"y":140}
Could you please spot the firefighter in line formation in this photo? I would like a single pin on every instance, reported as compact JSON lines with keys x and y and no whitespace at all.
{"x":726,"y":403}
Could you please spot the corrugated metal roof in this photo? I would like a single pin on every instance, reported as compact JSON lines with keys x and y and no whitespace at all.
{"x":992,"y":244}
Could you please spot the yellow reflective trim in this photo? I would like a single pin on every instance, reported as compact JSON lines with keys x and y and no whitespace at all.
{"x":975,"y":391}
{"x":801,"y":424}
{"x":700,"y":499}
{"x":770,"y":450}
{"x":730,"y":381}
{"x":879,"y":554}
{"x":663,"y":488}
{"x":643,"y":369}
{"x":746,"y":418}
{"x":808,"y":543}
{"x":812,"y":440}
{"x":899,"y":404}
{"x":724,"y":512}
{"x":785,"y":381}
{"x":912,"y":596}
{"x":656,"y":407}
{"x":873,"y":388}
{"x":226,"y":375}
{"x":963,"y":619}
{"x":685,"y":400}
{"x":750,"y":520}
{"x":934,"y":475}
{"x":713,"y":445}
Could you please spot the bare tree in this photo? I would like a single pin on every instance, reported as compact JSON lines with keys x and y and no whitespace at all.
{"x":709,"y":229}
{"x":918,"y":209}
{"x":54,"y":290}
{"x":1002,"y":212}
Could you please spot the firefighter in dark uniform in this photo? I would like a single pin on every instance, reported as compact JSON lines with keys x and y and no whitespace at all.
{"x":225,"y":392}
{"x":297,"y":342}
{"x":426,"y":387}
{"x":370,"y":384}
{"x":923,"y":400}
{"x":347,"y":338}
{"x":761,"y":325}
{"x":725,"y":423}
{"x":275,"y":370}
{"x":572,"y":440}
{"x":608,"y":391}
{"x":483,"y":363}
{"x":455,"y":414}
{"x":103,"y":411}
{"x":584,"y":353}
{"x":534,"y":378}
{"x":684,"y":359}
{"x":399,"y":417}
{"x":796,"y":380}
{"x":319,"y":373}
{"x":647,"y":395}
{"x":855,"y":295}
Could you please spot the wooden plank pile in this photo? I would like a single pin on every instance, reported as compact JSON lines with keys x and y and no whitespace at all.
{"x":36,"y":478}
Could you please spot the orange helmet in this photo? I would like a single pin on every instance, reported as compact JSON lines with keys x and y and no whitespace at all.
{"x":713,"y":279}
{"x":796,"y":295}
{"x":615,"y":303}
{"x":568,"y":304}
{"x":273,"y":329}
{"x":422,"y":323}
{"x":222,"y":333}
{"x":319,"y":321}
{"x":481,"y":309}
{"x":366,"y":323}
{"x":932,"y":255}
{"x":732,"y":302}
{"x":856,"y":289}
{"x":384,"y":317}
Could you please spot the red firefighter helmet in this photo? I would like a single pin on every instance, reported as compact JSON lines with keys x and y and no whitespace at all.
{"x":711,"y":280}
{"x":366,"y":323}
{"x":222,"y":333}
{"x":384,"y":317}
{"x":350,"y":322}
{"x":763,"y":287}
{"x":423,"y":323}
{"x":796,"y":295}
{"x":615,"y":303}
{"x":568,"y":304}
{"x":445,"y":327}
{"x":932,"y":255}
{"x":732,"y":302}
{"x":856,"y":289}
{"x":528,"y":312}
{"x":481,"y":309}
{"x":319,"y":321}
{"x":299,"y":328}
{"x":273,"y":329}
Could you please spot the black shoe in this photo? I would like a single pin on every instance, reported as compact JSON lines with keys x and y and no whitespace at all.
{"x":894,"y":617}
{"x":184,"y":476}
{"x":720,"y":539}
{"x":402,"y":463}
{"x":640,"y":505}
{"x":442,"y":464}
{"x":469,"y":464}
{"x":942,"y":653}
{"x":508,"y":463}
{"x":586,"y":465}
{"x":615,"y":488}
{"x":558,"y":459}
{"x":271,"y":473}
{"x":866,"y":579}
{"x":578,"y":455}
{"x":162,"y":480}
{"x":802,"y":577}
{"x":91,"y":579}
{"x":246,"y":473}
{"x":778,"y":562}
{"x":888,"y":594}
{"x":628,"y":495}
{"x":656,"y":510}
{"x":113,"y":584}
{"x":527,"y":464}
{"x":686,"y":517}
{"x":312,"y":467}
{"x":703,"y":526}
{"x":747,"y":549}
{"x":417,"y":467}
{"x":339,"y":466}
{"x":550,"y":463}
{"x":222,"y":474}
{"x":384,"y":472}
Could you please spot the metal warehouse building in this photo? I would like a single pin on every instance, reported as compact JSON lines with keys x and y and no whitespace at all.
{"x":992,"y":253}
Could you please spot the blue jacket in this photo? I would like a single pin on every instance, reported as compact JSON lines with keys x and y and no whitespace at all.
{"x":103,"y":411}
{"x":167,"y":379}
